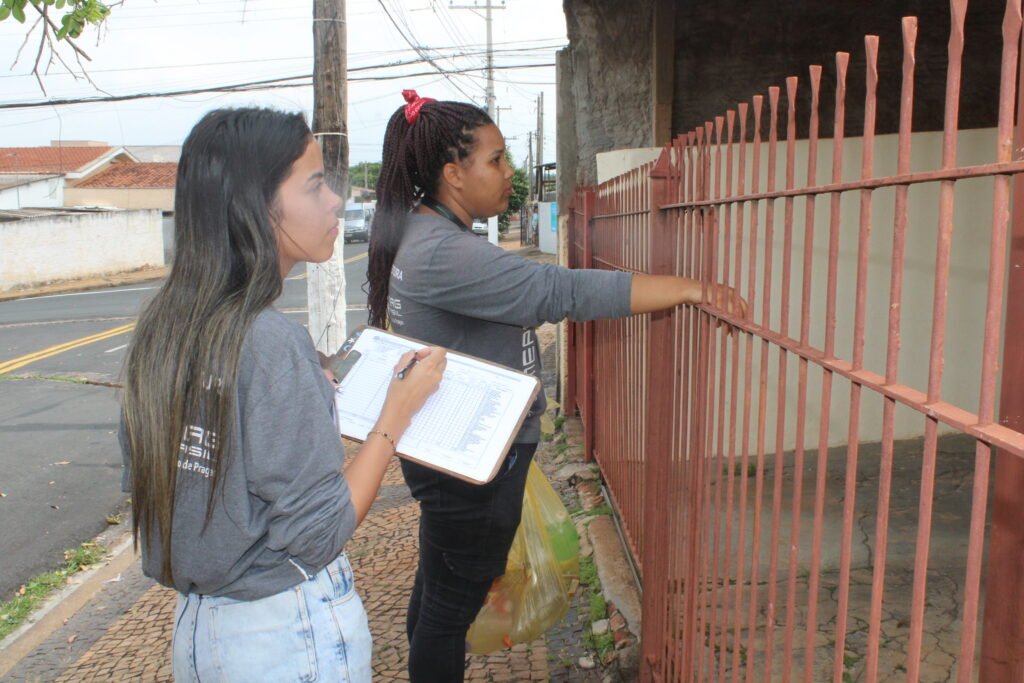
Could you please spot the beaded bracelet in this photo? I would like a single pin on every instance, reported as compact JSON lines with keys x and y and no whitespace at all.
{"x":394,"y":448}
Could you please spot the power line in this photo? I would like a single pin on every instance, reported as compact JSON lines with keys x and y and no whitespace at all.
{"x":507,"y":52}
{"x":268,"y":84}
{"x":420,"y":51}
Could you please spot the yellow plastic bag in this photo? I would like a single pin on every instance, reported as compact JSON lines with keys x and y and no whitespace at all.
{"x":540,"y":577}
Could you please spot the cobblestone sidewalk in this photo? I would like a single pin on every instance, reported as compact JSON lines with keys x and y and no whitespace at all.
{"x":135,"y":645}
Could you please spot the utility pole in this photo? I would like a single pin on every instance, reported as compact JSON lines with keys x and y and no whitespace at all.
{"x":498,"y":110}
{"x":540,"y":146}
{"x":490,"y":66}
{"x":529,"y":167}
{"x":491,"y":111}
{"x":325,"y":284}
{"x":527,"y":230}
{"x":492,"y":222}
{"x":540,"y":130}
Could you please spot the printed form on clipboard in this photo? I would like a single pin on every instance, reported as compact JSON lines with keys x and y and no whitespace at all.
{"x":465,"y":428}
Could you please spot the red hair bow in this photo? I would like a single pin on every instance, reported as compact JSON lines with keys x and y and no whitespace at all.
{"x":415,"y":103}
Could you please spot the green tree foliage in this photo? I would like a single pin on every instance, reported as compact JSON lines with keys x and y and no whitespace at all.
{"x":364,"y":174}
{"x":520,"y":187}
{"x":77,"y":14}
{"x":74,"y":15}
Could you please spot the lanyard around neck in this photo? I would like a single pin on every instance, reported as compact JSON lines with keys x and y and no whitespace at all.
{"x":440,"y":208}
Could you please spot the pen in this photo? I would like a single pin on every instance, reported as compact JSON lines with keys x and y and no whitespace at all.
{"x":404,"y":371}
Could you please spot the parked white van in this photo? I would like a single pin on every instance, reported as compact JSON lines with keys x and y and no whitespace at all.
{"x":358,"y":222}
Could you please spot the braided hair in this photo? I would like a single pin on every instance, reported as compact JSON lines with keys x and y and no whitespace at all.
{"x":414,"y":155}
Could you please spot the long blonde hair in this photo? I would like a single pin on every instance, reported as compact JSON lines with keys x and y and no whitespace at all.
{"x":182,"y":365}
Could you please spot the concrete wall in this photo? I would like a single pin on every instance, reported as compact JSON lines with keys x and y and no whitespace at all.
{"x":613,"y":94}
{"x":121,"y":198}
{"x":38,"y":250}
{"x":612,"y":164}
{"x":729,"y":50}
{"x":48,"y":193}
{"x":608,"y":68}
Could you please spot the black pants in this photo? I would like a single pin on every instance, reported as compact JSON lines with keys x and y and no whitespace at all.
{"x":465,"y":535}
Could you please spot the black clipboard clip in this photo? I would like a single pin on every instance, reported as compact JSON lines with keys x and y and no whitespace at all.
{"x":345,"y":359}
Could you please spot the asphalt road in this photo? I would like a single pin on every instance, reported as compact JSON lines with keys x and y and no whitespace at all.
{"x":60,"y":467}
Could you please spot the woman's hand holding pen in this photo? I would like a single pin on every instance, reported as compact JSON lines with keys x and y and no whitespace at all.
{"x":404,"y":399}
{"x":421,"y":373}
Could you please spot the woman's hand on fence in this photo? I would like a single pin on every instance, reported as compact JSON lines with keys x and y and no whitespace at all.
{"x":651,"y":293}
{"x":728,"y":299}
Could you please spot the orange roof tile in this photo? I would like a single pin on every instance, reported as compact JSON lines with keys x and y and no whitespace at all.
{"x":128,"y":175}
{"x":48,"y":159}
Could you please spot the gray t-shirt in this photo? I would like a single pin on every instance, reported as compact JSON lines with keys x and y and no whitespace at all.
{"x":285,"y":510}
{"x":454,"y":289}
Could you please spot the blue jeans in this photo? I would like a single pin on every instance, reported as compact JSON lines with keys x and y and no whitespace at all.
{"x":466,"y":531}
{"x":315,"y":631}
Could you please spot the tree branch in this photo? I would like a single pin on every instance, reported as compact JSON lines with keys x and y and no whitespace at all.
{"x":56,"y":29}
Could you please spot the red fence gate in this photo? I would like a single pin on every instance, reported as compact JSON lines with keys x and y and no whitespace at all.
{"x":806,"y":489}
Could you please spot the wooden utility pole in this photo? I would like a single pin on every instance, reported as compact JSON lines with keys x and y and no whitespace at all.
{"x":325,"y":288}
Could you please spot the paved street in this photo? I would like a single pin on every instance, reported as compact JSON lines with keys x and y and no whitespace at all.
{"x":122,"y":632}
{"x":59,"y":462}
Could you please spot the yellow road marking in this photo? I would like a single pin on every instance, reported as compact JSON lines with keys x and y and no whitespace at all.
{"x":16,"y":363}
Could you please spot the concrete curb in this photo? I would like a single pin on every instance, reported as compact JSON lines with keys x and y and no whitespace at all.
{"x":61,"y":606}
{"x":86,"y":284}
{"x":602,"y":541}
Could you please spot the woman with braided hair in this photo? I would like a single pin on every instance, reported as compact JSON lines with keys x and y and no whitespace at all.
{"x":430,"y":278}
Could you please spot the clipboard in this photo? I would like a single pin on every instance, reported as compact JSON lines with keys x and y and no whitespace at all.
{"x":465,"y":429}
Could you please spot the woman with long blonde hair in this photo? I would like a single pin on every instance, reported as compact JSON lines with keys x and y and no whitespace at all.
{"x":233,"y":459}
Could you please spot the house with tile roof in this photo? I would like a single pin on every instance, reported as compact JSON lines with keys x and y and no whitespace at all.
{"x":38,"y":176}
{"x":73,"y":162}
{"x":127,"y":185}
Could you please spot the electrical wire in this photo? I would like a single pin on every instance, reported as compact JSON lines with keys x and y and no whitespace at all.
{"x":419,"y":51}
{"x":267,"y":84}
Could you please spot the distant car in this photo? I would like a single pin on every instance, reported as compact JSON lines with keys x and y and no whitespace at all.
{"x":479,"y":227}
{"x":358,"y":222}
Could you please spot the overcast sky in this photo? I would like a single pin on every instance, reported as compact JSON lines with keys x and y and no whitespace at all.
{"x":148,"y":46}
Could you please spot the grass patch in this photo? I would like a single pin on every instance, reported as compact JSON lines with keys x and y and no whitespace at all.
{"x":588,"y":573}
{"x":598,"y":606}
{"x":30,"y":596}
{"x":559,"y":421}
{"x":599,"y":510}
{"x":62,"y":378}
{"x":602,"y":644}
{"x":47,"y":378}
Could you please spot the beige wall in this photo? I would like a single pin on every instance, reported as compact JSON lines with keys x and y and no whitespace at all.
{"x":121,"y":198}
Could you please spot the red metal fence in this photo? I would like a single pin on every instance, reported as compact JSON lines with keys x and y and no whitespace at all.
{"x":787,"y":524}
